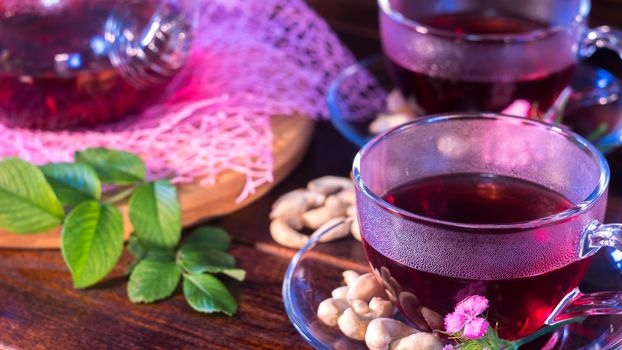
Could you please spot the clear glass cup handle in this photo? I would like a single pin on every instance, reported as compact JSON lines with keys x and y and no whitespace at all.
{"x":603,"y":37}
{"x":577,"y":304}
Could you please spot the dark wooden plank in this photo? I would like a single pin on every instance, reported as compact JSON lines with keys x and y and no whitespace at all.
{"x":606,"y":12}
{"x":40,"y":310}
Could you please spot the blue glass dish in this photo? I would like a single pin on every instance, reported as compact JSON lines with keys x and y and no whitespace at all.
{"x":356,"y":95}
{"x":316,"y":269}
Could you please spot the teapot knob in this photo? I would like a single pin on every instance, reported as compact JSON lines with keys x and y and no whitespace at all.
{"x":149,"y":54}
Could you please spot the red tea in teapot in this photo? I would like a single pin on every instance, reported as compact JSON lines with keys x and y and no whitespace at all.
{"x":55,"y":72}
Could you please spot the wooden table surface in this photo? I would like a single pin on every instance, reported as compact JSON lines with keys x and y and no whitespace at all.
{"x":39,"y":309}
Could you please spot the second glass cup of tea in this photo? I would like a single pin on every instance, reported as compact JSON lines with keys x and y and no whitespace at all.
{"x":484,"y":55}
{"x":484,"y":204}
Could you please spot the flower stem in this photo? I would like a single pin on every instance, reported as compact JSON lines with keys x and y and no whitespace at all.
{"x":543,"y":331}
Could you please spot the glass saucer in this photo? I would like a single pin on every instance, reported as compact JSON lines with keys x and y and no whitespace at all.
{"x":316,"y":270}
{"x":358,"y":94}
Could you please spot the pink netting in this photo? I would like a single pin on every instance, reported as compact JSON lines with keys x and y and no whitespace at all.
{"x":251,"y":60}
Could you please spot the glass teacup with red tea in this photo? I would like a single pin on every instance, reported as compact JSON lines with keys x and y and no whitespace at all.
{"x":484,"y":55}
{"x":483,"y":204}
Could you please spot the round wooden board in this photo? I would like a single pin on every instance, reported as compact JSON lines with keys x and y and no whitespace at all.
{"x":292,"y":135}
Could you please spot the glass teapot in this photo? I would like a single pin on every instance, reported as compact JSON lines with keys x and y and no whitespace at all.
{"x":80,"y":63}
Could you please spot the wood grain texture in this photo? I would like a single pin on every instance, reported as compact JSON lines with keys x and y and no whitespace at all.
{"x":292,"y":135}
{"x":40,"y":310}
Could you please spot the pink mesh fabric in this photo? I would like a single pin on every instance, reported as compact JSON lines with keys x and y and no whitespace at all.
{"x":251,"y":60}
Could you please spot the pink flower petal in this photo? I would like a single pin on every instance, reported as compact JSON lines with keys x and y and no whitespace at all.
{"x":473,"y":305}
{"x":475,"y":328}
{"x":454,"y":322}
{"x":519,"y":108}
{"x":449,"y":347}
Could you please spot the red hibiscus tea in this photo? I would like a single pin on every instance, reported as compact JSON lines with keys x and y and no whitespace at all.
{"x":476,"y":60}
{"x":505,"y":207}
{"x":54,"y":67}
{"x":436,"y":94}
{"x":520,"y":305}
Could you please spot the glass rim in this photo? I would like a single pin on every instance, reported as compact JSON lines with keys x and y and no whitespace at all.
{"x":584,"y":10}
{"x":577,"y":140}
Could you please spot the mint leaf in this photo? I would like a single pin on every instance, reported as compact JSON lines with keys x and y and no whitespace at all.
{"x":92,"y":241}
{"x":205,"y":293}
{"x":27,"y":202}
{"x":73,"y":183}
{"x":153,"y":280}
{"x":113,"y":166}
{"x":211,"y":236}
{"x":199,"y":258}
{"x":156,"y":214}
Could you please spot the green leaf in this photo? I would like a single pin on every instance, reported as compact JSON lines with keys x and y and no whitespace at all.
{"x":214,"y":237}
{"x":141,"y":251}
{"x":237,"y":274}
{"x":156,"y":214}
{"x":200,"y":258}
{"x":73,"y":183}
{"x":113,"y":166}
{"x":92,"y":242}
{"x":136,"y":248}
{"x":153,"y":280}
{"x":205,"y":293}
{"x":27,"y":202}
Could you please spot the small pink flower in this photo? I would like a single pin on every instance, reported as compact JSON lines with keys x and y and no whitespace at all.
{"x":455,"y":321}
{"x":519,"y":108}
{"x":465,"y":317}
{"x":473,"y":305}
{"x":449,"y":347}
{"x":475,"y":328}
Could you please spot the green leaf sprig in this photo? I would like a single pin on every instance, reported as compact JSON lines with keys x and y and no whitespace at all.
{"x":36,"y":199}
{"x":156,"y":271}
